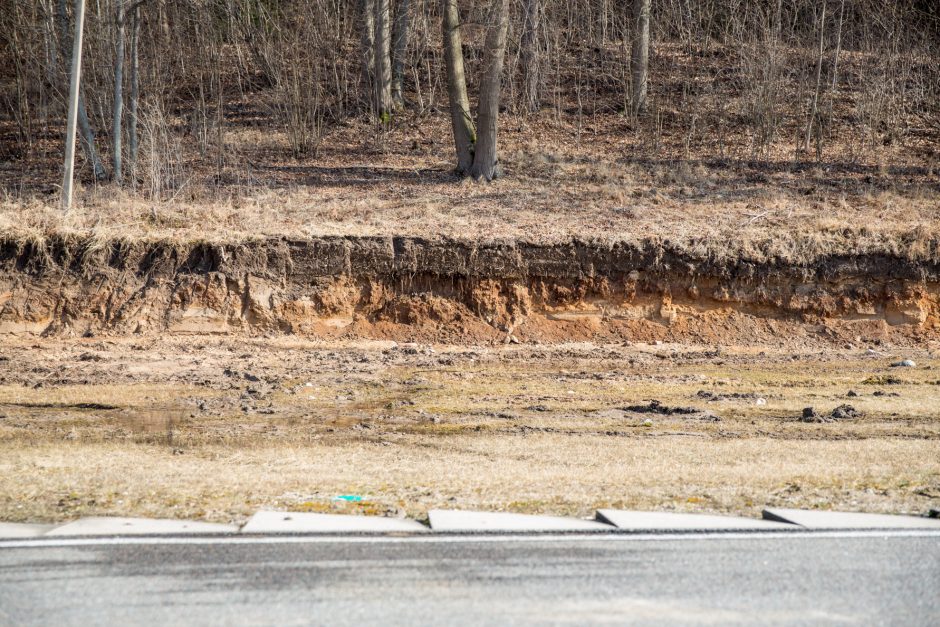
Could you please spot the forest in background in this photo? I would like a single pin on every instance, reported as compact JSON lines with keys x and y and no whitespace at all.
{"x":209,"y":94}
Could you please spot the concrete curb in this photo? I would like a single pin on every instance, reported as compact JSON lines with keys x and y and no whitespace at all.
{"x":821,"y":519}
{"x":457,"y":522}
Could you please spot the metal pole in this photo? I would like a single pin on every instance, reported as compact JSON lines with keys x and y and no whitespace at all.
{"x":72,"y":121}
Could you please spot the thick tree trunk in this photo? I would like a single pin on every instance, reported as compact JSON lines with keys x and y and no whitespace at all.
{"x":532,"y":55}
{"x":641,"y":52}
{"x":485,"y":157}
{"x":117,"y":109}
{"x":134,"y":96}
{"x":383,"y":60}
{"x":464,"y":133}
{"x":402,"y":33}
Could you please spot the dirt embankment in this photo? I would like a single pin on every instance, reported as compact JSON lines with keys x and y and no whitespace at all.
{"x":454,"y":291}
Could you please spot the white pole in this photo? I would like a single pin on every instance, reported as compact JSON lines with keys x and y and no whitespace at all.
{"x":72,"y":121}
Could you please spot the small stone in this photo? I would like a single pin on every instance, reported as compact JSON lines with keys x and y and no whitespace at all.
{"x":904,"y":363}
{"x":851,"y":393}
{"x":761,"y":401}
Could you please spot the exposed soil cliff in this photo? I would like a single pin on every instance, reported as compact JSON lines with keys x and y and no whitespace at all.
{"x":446,"y":290}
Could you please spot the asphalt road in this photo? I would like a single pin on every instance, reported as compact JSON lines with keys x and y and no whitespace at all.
{"x":797,"y":578}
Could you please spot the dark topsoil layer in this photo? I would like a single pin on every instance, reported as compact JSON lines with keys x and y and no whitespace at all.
{"x":383,"y":257}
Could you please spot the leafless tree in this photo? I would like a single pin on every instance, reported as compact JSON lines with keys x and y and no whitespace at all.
{"x":814,"y":101}
{"x":367,"y":13}
{"x":485,"y":156}
{"x":134,"y":95}
{"x":75,"y":79}
{"x":402,"y":34}
{"x":84,"y":125}
{"x":465,"y":135}
{"x":641,"y":52}
{"x":532,"y":54}
{"x":117,"y":108}
{"x":383,"y":60}
{"x":603,"y":13}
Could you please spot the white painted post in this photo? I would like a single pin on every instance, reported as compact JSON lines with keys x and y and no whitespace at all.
{"x":72,"y":122}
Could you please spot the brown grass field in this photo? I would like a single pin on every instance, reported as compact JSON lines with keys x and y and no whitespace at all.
{"x":215,"y":428}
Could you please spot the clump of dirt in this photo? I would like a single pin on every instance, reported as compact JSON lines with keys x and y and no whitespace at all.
{"x":656,"y":407}
{"x":706,"y":395}
{"x":883,"y":379}
{"x":842,"y":412}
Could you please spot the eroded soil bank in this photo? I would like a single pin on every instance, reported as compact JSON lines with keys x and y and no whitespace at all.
{"x":455,"y":291}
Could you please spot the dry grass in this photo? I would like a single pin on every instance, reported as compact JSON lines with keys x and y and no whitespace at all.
{"x":411,"y":474}
{"x":178,"y":430}
{"x":584,"y":186}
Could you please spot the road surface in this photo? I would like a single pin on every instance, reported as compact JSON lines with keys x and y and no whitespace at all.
{"x":796,"y":578}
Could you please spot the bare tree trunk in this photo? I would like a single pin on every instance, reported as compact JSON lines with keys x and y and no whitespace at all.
{"x":531,"y":55}
{"x":84,"y":126}
{"x":402,"y":33}
{"x":88,"y":141}
{"x":117,"y":109}
{"x":163,"y":16}
{"x":835,"y":61}
{"x":814,"y":105}
{"x":641,"y":53}
{"x":485,"y":157}
{"x":367,"y":8}
{"x":603,"y":12}
{"x":134,"y":95}
{"x":72,"y":118}
{"x":49,"y":34}
{"x":465,"y":135}
{"x":383,"y":60}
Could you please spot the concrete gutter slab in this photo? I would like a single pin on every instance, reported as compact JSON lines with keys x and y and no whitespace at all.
{"x":294,"y":522}
{"x":674,"y":521}
{"x":22,"y":530}
{"x":106,"y":526}
{"x":817,"y":519}
{"x":457,"y":520}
